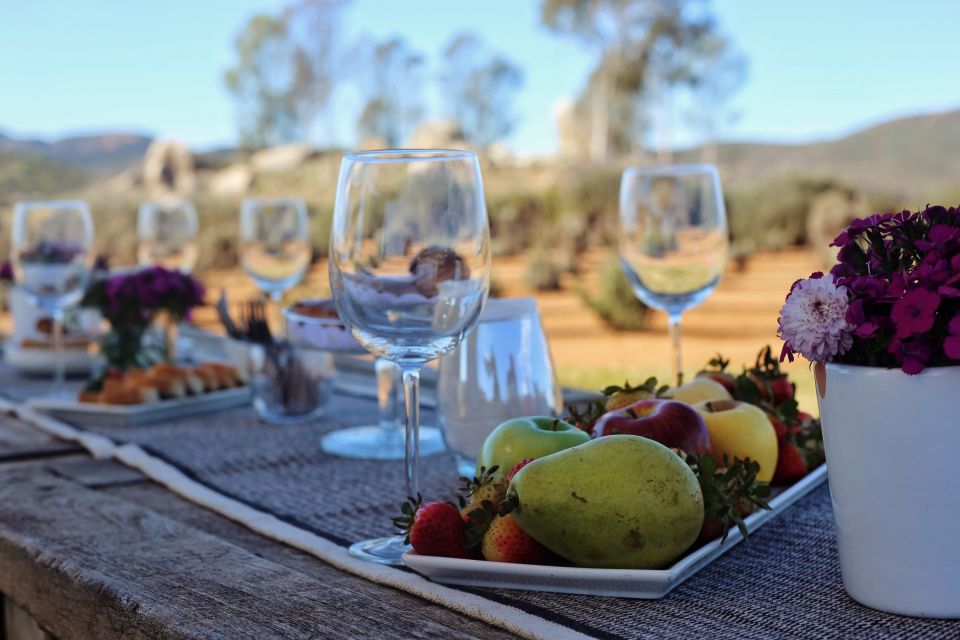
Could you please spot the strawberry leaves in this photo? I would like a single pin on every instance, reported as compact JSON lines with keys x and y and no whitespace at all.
{"x":730,"y":492}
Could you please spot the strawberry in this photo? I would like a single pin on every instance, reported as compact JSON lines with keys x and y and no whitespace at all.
{"x":486,"y":487}
{"x":717,"y":371}
{"x":778,"y":425}
{"x":781,"y":388}
{"x":727,"y":380}
{"x":505,"y":541}
{"x":791,"y":463}
{"x":517,"y":467}
{"x":434,"y":528}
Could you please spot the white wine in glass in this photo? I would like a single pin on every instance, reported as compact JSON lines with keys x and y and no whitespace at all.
{"x":167,"y":234}
{"x":409,"y":271}
{"x":275,"y":245}
{"x":673,"y":238}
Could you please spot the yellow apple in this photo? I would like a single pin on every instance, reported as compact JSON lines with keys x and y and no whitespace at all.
{"x":699,"y":390}
{"x":741,"y":430}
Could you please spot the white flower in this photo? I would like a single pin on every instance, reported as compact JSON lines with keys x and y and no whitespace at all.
{"x":813,"y":319}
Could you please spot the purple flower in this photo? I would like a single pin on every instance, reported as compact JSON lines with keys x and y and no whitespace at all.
{"x":915,"y":312}
{"x":6,"y":271}
{"x":912,"y":355}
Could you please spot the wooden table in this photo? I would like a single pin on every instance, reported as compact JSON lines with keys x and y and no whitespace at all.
{"x":92,"y":549}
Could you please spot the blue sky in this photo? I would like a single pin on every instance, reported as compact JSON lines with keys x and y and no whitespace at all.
{"x":817,"y":68}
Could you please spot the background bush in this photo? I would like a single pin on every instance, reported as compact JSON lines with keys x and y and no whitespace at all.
{"x":614,"y":301}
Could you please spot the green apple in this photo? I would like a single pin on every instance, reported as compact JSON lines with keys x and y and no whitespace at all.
{"x":530,"y":437}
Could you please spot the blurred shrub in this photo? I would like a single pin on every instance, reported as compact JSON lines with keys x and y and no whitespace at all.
{"x":774,"y":215}
{"x":517,"y":218}
{"x":543,"y":273}
{"x":830,"y":212}
{"x":614,"y":301}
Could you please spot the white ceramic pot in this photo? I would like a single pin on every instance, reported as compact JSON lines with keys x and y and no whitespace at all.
{"x":893,"y":459}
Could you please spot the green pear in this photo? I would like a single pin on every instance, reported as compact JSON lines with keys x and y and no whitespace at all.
{"x":620,"y":501}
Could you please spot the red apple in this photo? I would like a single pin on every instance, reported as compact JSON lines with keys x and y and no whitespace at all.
{"x":673,"y":424}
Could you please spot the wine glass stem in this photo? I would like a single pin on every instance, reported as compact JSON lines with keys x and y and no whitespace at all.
{"x":411,"y":424}
{"x":674,"y":324}
{"x":59,"y":366}
{"x":386,"y":396}
{"x":275,"y":313}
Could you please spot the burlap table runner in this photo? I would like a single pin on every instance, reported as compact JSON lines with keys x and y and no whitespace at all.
{"x":783,"y":583}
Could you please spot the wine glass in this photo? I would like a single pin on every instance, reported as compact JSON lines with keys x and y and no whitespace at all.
{"x":673,"y":238}
{"x":275,"y":243}
{"x":167,"y":234}
{"x":409,"y":271}
{"x":384,"y":440}
{"x":50,"y":248}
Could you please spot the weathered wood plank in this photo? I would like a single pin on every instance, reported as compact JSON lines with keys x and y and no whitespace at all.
{"x":95,"y":473}
{"x":20,"y":625}
{"x":90,"y":563}
{"x":409,"y":611}
{"x":21,"y":442}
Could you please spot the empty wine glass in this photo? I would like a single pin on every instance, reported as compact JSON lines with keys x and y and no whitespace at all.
{"x":50,"y":248}
{"x":673,"y":238}
{"x":167,"y":234}
{"x":384,"y":440}
{"x":275,"y":243}
{"x":409,"y":271}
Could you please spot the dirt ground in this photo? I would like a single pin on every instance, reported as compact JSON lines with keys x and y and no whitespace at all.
{"x":736,"y":321}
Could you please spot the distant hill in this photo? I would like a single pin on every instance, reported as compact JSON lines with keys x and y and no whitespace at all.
{"x":914,"y":157}
{"x":26,"y":175}
{"x":95,"y":154}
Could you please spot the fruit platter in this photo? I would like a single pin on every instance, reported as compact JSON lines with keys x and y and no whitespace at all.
{"x":627,"y":496}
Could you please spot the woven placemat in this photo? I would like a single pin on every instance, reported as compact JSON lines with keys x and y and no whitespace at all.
{"x":783,"y":583}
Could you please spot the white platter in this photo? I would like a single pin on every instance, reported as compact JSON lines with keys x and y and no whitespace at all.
{"x":40,"y":361}
{"x":621,"y":583}
{"x":104,"y":415}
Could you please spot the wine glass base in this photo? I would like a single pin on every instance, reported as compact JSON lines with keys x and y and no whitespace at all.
{"x":381,"y":550}
{"x":374,"y":443}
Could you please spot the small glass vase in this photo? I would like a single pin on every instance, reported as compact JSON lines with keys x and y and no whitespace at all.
{"x":127,"y":347}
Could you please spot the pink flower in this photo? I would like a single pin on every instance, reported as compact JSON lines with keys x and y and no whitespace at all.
{"x":915,"y":312}
{"x":813,"y":320}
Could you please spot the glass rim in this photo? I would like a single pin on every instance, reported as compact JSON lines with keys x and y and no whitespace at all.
{"x":680,"y":169}
{"x":51,"y":204}
{"x":387,"y":156}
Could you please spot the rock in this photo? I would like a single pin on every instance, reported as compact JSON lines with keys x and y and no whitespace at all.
{"x":373,"y":143}
{"x":280,"y":159}
{"x":168,"y":168}
{"x":436,"y":134}
{"x":572,"y":129}
{"x":234,"y":180}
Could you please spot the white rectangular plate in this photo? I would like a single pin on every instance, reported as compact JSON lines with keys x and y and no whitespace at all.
{"x":621,"y":583}
{"x":134,"y":415}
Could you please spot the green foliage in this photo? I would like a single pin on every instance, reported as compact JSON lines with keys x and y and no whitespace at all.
{"x":24,"y":177}
{"x":615,"y":302}
{"x":543,"y":274}
{"x":479,"y":88}
{"x":283,"y":74}
{"x":391,"y":84}
{"x":774,"y":215}
{"x":638,"y":44}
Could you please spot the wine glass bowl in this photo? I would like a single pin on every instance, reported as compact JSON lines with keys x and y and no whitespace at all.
{"x":673,"y":238}
{"x":275,"y":248}
{"x":50,"y":252}
{"x":409,"y":270}
{"x":167,"y":234}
